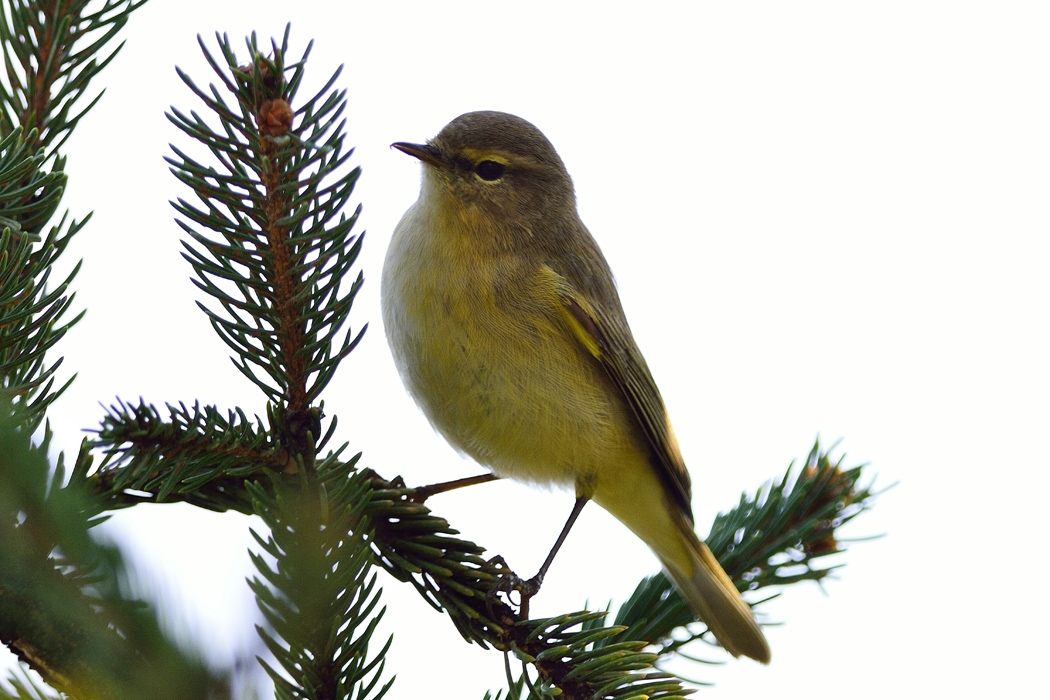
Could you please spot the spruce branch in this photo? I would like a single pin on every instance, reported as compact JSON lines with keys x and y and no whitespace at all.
{"x":778,"y":537}
{"x":194,"y":454}
{"x":30,"y":313}
{"x":576,"y":653}
{"x":775,"y":538}
{"x":52,"y":51}
{"x":268,"y":242}
{"x":270,"y":248}
{"x":64,"y":606}
{"x":319,"y":596}
{"x":65,"y":610}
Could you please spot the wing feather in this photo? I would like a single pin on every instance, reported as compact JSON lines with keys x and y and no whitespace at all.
{"x":607,"y":337}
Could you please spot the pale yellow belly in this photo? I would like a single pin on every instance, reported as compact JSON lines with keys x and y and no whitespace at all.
{"x":502,"y":379}
{"x":517,"y":395}
{"x":509,"y":407}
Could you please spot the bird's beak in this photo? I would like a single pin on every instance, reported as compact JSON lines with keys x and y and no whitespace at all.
{"x":425,"y":152}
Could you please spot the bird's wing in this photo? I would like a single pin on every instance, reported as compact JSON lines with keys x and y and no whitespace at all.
{"x":607,"y":337}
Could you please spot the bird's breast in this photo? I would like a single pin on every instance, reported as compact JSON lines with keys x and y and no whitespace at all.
{"x":481,"y":346}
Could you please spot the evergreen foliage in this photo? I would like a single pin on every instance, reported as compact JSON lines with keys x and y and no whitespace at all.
{"x":273,"y":253}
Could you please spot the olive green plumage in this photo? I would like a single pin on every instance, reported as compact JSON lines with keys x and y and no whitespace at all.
{"x":505,"y":324}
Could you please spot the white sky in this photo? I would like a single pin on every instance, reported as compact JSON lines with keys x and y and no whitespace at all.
{"x":825,"y":218}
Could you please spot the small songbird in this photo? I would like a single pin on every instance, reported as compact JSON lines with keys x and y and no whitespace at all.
{"x":506,"y":326}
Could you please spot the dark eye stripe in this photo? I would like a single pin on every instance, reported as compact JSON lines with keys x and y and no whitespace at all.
{"x":490,"y":170}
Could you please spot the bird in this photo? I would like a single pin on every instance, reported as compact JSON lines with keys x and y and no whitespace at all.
{"x":505,"y":324}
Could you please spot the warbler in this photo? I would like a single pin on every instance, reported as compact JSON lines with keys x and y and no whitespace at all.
{"x":506,"y":326}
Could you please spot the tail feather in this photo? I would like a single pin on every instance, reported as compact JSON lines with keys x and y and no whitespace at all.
{"x":711,"y":594}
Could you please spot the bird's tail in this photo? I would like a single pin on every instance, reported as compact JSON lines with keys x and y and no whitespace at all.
{"x":711,"y":594}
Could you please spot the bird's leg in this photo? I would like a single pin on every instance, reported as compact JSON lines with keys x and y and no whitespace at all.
{"x":422,"y":493}
{"x":532,"y":586}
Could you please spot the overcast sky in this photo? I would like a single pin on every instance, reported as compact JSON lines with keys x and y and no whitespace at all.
{"x":824,"y":218}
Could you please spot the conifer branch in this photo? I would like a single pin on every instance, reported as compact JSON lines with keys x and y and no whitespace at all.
{"x":269,"y":245}
{"x":52,"y":51}
{"x":778,"y":537}
{"x":774,"y":538}
{"x":319,"y":597}
{"x":268,"y":241}
{"x":64,"y":609}
{"x":195,"y":455}
{"x":30,"y":313}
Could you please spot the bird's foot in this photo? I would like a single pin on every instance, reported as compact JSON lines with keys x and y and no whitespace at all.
{"x":509,"y":582}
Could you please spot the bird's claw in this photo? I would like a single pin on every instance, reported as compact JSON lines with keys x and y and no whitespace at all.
{"x":508,"y":582}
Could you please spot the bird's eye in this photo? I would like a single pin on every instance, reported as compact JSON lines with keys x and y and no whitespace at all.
{"x":490,"y":170}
